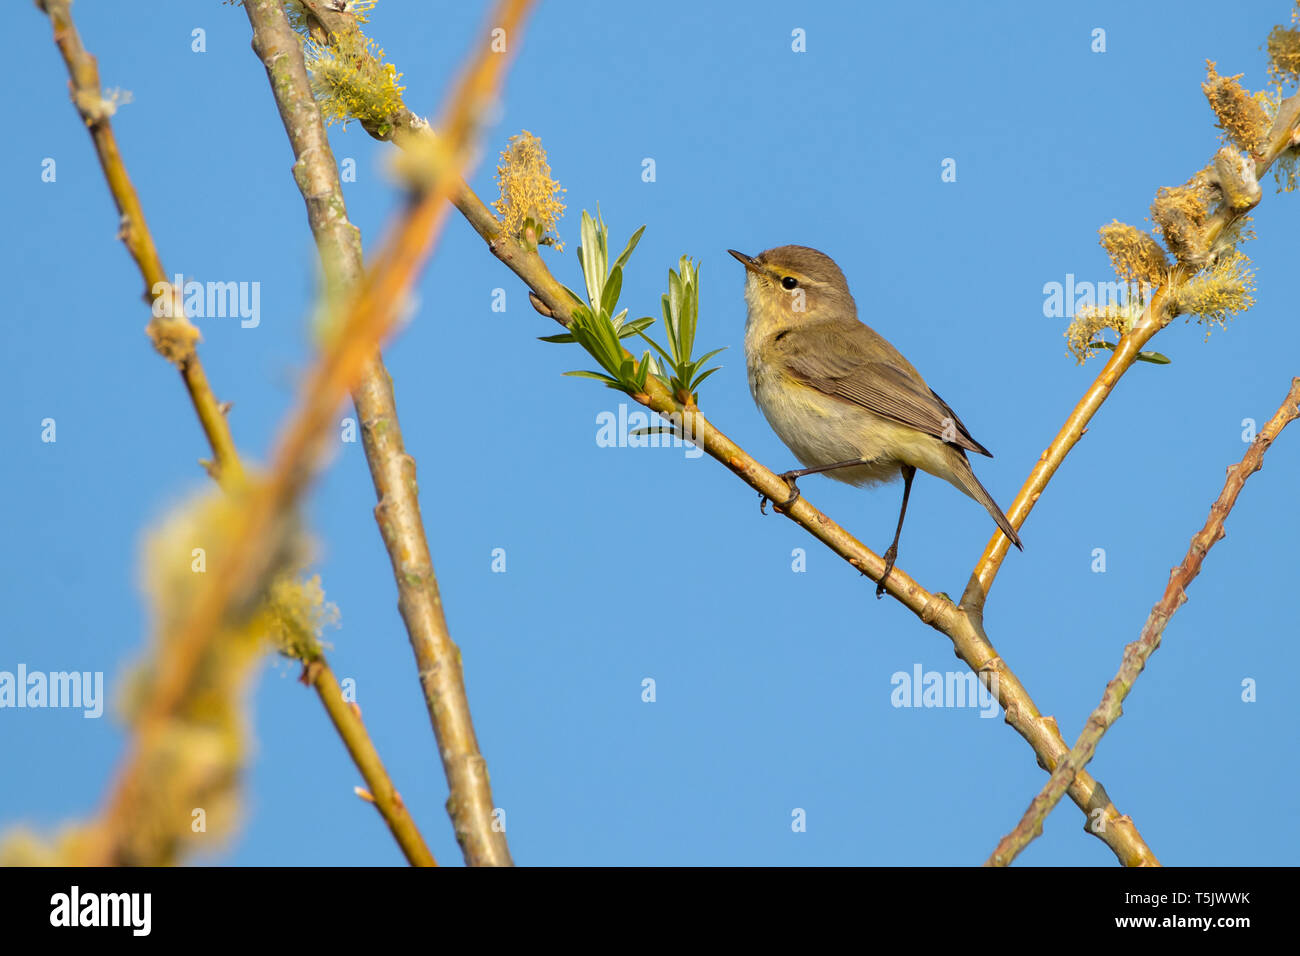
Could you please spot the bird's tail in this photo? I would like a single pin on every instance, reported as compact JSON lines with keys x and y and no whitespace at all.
{"x":968,"y":483}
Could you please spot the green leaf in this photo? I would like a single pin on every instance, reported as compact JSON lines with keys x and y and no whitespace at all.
{"x":696,"y":384}
{"x":596,"y":375}
{"x":628,"y":329}
{"x":609,"y":336}
{"x":593,"y":271}
{"x":1155,"y":358}
{"x":588,"y":232}
{"x":602,"y":242}
{"x":613,"y":286}
{"x":660,"y":349}
{"x":562,"y":338}
{"x":643,"y":369}
{"x":675,"y":294}
{"x":693,"y":308}
{"x":621,"y":261}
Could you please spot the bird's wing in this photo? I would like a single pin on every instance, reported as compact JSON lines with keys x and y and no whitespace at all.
{"x":841,"y":366}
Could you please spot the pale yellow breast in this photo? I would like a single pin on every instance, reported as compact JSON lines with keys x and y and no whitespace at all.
{"x":820,"y":429}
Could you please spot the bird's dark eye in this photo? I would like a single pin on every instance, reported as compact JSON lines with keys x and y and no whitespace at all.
{"x":790,"y":282}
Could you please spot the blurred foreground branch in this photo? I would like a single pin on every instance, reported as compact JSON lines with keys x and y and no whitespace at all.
{"x":118,"y":838}
{"x":393,"y":470}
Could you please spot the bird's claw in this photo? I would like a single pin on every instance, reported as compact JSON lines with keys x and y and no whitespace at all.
{"x":890,"y":555}
{"x":785,"y":505}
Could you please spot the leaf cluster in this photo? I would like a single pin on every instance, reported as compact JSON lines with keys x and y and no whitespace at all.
{"x":599,"y":329}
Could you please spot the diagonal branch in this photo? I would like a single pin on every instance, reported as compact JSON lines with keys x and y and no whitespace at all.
{"x":226,"y":466}
{"x":963,"y":625}
{"x":1139,"y":652}
{"x":1280,"y":138}
{"x":437,"y":657}
{"x":382,"y":793}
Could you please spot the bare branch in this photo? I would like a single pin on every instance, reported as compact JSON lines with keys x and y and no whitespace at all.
{"x":1137,"y":653}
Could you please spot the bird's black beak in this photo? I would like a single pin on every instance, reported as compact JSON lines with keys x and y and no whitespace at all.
{"x":749,"y":262}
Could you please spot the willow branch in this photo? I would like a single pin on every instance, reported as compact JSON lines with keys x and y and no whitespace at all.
{"x":1139,"y":652}
{"x":392,"y":470}
{"x":1154,"y":318}
{"x":961,"y":624}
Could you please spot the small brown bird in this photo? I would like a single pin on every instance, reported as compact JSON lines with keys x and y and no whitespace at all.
{"x":838,"y":395}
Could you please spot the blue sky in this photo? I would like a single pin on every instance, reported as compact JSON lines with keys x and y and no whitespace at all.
{"x":773,"y":686}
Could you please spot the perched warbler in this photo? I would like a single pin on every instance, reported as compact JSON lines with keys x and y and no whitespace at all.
{"x":843,"y":399}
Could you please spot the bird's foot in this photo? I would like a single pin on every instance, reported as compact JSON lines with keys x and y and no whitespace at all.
{"x":789,"y":478}
{"x":890,"y":555}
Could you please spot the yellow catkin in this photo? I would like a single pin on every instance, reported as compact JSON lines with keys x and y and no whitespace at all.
{"x":1135,"y":256}
{"x":1241,"y":117}
{"x":1284,"y":54}
{"x":1179,"y":214}
{"x":1089,"y":322}
{"x":528,"y":193}
{"x":1218,"y":294}
{"x":351,"y":81}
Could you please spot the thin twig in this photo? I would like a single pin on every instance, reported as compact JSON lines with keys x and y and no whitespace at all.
{"x":392,"y":469}
{"x":1137,"y":653}
{"x":383,"y":794}
{"x":95,"y":110}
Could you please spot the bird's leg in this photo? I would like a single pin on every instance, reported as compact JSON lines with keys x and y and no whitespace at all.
{"x":908,"y":474}
{"x":790,"y":477}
